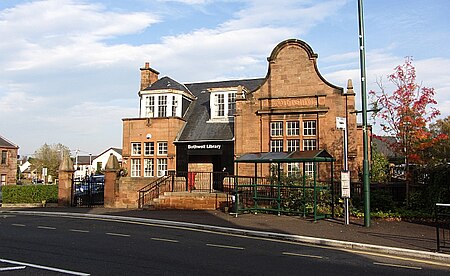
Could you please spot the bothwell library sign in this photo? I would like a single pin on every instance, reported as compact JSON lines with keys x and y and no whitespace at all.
{"x":204,"y":146}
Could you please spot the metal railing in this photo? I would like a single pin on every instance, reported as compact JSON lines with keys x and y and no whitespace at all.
{"x":442,"y":220}
{"x":154,"y":189}
{"x":208,"y":182}
{"x":265,"y":194}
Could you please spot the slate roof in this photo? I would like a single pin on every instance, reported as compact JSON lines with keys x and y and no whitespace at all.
{"x":117,"y":150}
{"x":167,"y":83}
{"x":286,"y":157}
{"x":383,"y":144}
{"x":4,"y":143}
{"x":197,"y":127}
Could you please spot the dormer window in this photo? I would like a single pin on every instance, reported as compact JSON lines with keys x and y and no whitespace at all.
{"x":162,"y":105}
{"x":223,"y":105}
{"x":149,"y":106}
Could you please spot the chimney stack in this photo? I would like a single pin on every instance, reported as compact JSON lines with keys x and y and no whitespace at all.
{"x":148,"y":76}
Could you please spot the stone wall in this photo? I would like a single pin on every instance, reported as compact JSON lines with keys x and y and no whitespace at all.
{"x":10,"y":167}
{"x":126,"y":194}
{"x":193,"y":201}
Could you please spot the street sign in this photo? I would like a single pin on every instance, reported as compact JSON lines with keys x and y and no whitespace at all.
{"x":341,"y":123}
{"x":345,"y":184}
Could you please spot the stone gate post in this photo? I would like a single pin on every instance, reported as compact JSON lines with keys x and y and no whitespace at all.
{"x":65,"y":176}
{"x":111,"y":169}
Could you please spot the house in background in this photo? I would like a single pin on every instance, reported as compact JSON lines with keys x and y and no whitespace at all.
{"x":99,"y":162}
{"x":8,"y":162}
{"x":82,"y":166}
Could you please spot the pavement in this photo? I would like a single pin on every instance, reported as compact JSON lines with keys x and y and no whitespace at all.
{"x":393,"y":237}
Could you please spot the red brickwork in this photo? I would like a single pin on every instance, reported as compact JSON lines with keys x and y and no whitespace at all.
{"x":8,"y":167}
{"x":150,"y":130}
{"x":294,"y":90}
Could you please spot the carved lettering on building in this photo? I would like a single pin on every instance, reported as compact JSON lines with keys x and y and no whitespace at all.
{"x":303,"y":102}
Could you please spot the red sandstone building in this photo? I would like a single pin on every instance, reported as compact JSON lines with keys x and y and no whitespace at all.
{"x":8,"y":162}
{"x":203,"y":127}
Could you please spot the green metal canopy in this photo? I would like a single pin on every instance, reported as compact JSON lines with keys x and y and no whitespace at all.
{"x":286,"y":157}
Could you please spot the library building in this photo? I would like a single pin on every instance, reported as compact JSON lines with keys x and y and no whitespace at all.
{"x":207,"y":126}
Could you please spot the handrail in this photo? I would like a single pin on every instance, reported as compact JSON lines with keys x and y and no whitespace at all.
{"x":156,"y":182}
{"x":149,"y":188}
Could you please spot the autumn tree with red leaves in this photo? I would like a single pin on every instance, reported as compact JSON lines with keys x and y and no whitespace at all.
{"x":405,"y":114}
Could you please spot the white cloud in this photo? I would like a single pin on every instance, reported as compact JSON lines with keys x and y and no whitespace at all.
{"x":55,"y":33}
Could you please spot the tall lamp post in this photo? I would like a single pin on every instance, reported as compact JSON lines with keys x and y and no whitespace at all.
{"x":362,"y":59}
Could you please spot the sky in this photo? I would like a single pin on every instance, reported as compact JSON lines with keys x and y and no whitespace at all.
{"x":69,"y":69}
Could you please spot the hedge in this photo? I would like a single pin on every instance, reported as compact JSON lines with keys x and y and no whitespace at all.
{"x":30,"y":194}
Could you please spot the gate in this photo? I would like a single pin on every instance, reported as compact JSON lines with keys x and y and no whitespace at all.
{"x":89,"y":191}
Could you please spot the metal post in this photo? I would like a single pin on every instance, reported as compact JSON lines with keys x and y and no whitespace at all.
{"x":366,"y":181}
{"x":347,"y":215}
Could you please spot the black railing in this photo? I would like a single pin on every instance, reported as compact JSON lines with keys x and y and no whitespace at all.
{"x":208,"y":182}
{"x":88,"y":191}
{"x":442,"y":227}
{"x":154,"y":189}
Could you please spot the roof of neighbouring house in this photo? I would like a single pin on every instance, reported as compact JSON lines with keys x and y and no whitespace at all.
{"x":117,"y":150}
{"x":5,"y":143}
{"x":197,"y":127}
{"x":383,"y":144}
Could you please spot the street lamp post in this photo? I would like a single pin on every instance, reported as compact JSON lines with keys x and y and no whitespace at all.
{"x":362,"y":54}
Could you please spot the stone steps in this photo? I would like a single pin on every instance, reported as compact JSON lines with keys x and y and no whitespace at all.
{"x":190,"y":201}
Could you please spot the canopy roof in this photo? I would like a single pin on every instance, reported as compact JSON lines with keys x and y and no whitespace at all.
{"x":286,"y":157}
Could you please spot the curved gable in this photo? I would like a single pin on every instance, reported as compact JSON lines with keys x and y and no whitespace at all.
{"x":293,"y":72}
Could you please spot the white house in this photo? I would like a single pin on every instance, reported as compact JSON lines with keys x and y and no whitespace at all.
{"x":99,"y":162}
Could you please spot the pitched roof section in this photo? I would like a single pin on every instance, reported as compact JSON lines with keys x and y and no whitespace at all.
{"x":167,"y":83}
{"x":117,"y":150}
{"x":197,"y":127}
{"x":286,"y":157}
{"x":5,"y":143}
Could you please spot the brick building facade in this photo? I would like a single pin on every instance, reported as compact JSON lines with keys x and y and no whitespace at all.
{"x":8,"y":162}
{"x":205,"y":126}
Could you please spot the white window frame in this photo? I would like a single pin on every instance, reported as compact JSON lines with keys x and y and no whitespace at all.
{"x":174,"y":105}
{"x":309,"y":168}
{"x":231,"y":104}
{"x":223,"y":106}
{"x":309,"y":144}
{"x":150,"y":106}
{"x":162,"y":148}
{"x":309,"y":128}
{"x":293,"y":169}
{"x":136,"y":148}
{"x":162,"y":166}
{"x":276,"y":145}
{"x":149,"y":167}
{"x":149,"y":148}
{"x":219,"y":103}
{"x":292,"y":128}
{"x":162,"y":106}
{"x":135,"y":167}
{"x":293,"y":145}
{"x":276,"y":129}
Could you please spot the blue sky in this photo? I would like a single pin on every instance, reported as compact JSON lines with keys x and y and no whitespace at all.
{"x":69,"y":69}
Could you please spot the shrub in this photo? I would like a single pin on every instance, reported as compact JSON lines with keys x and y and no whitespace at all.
{"x":30,"y":194}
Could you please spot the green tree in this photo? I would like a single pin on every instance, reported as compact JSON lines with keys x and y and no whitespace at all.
{"x":49,"y":156}
{"x":379,"y":171}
